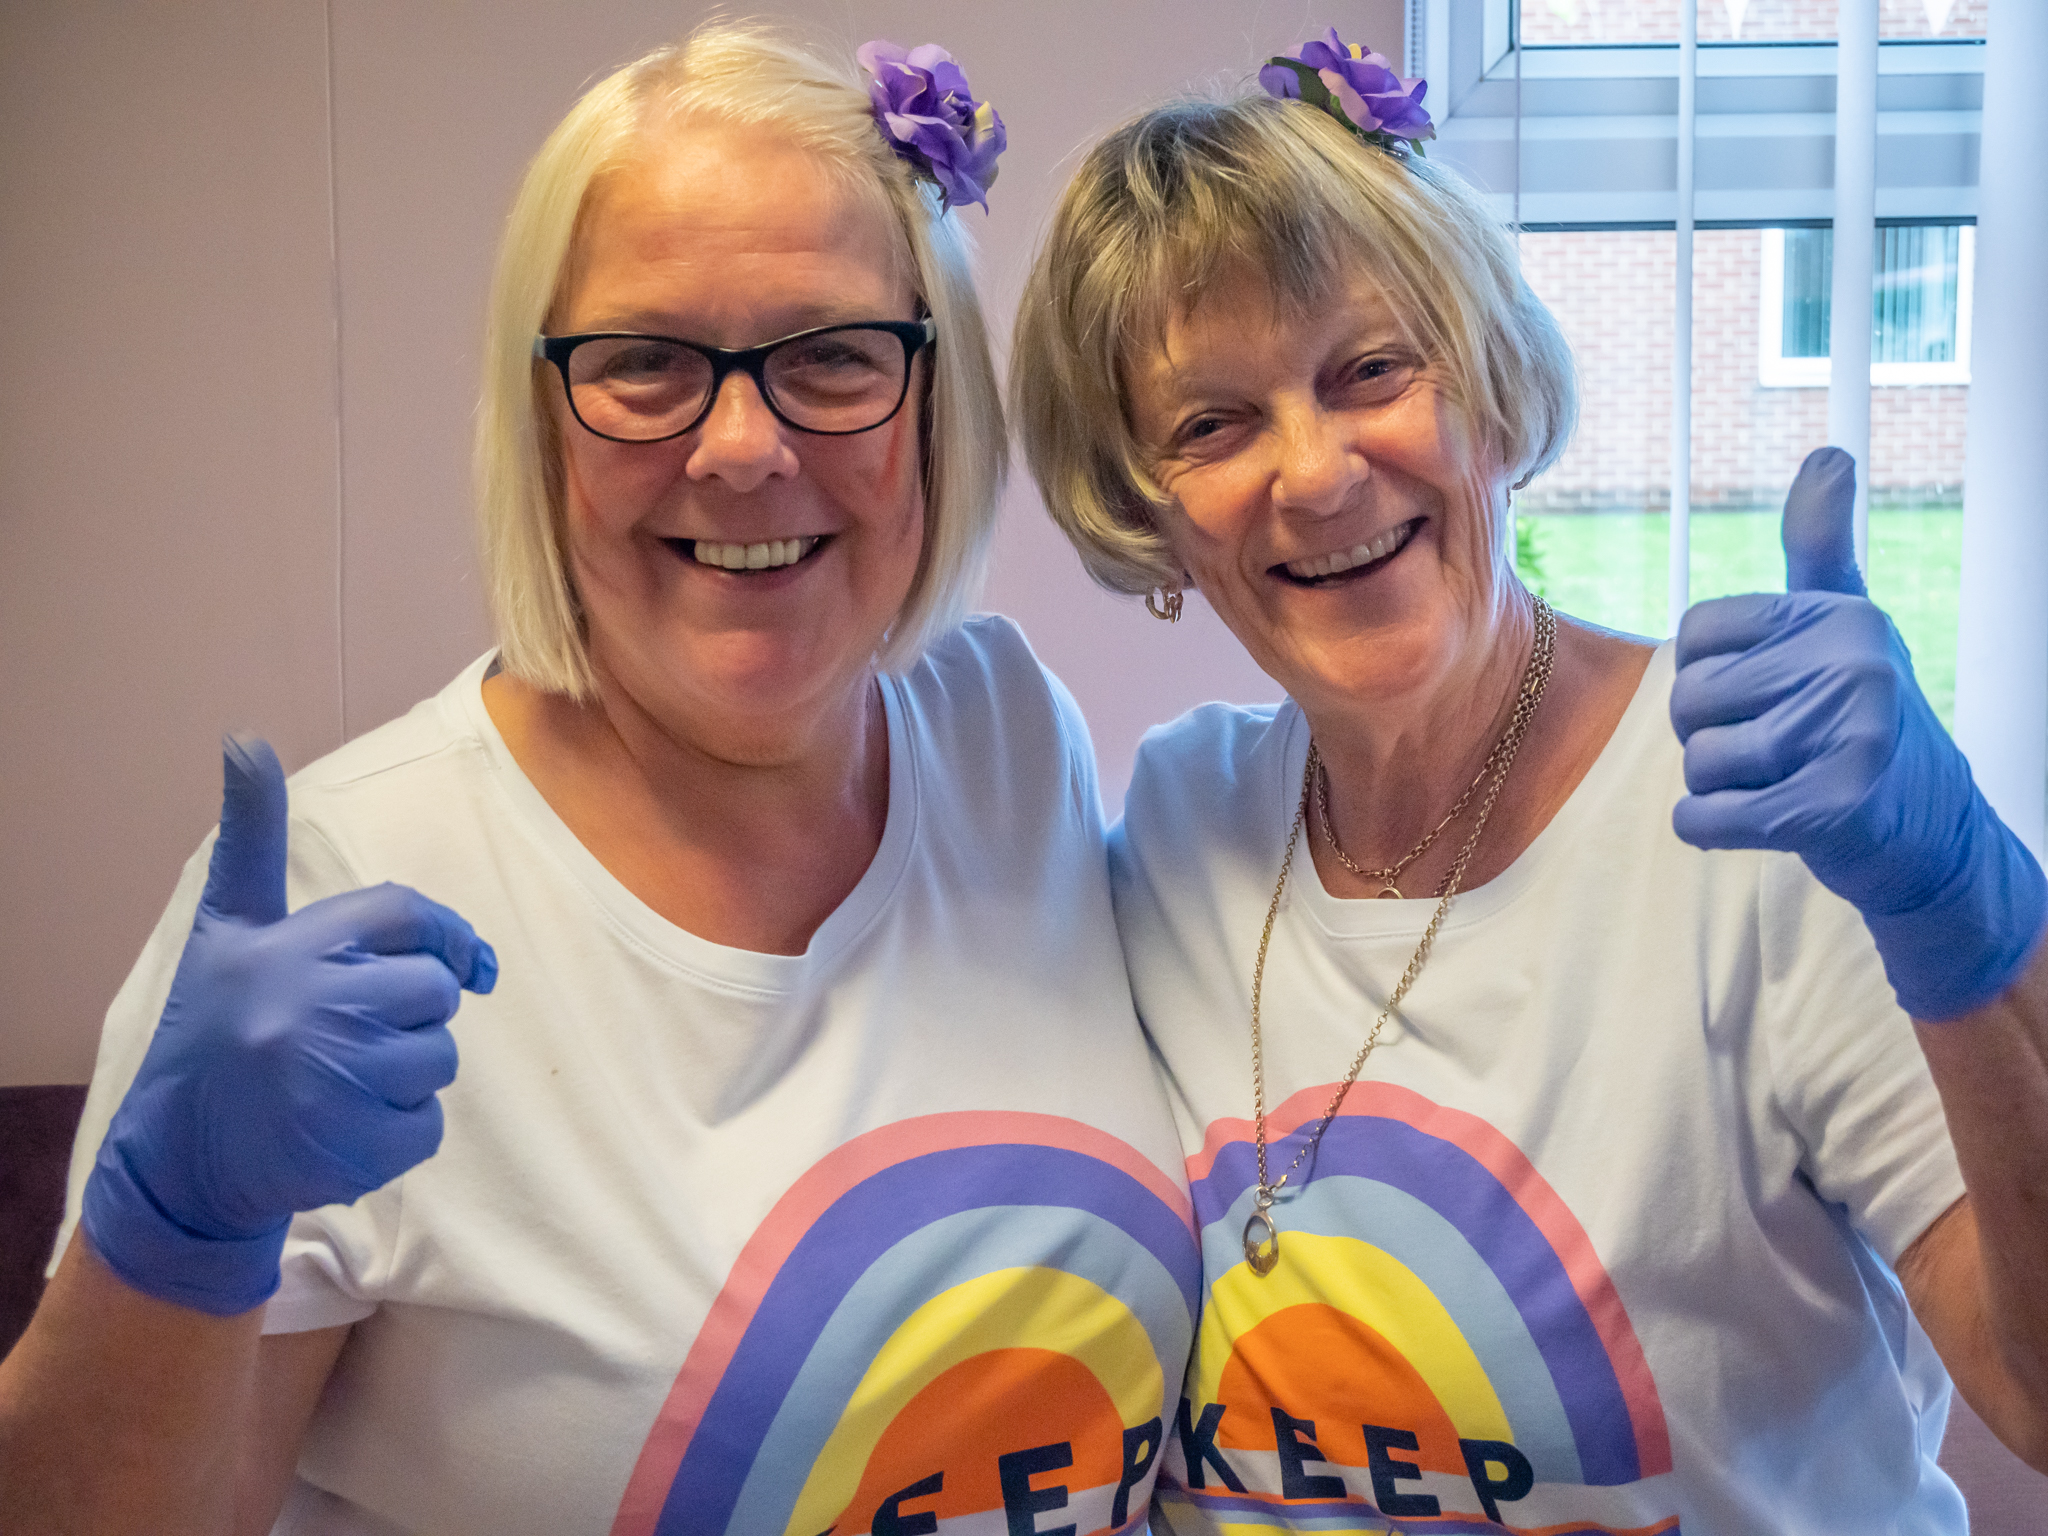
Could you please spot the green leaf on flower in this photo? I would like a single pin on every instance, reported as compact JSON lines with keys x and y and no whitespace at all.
{"x":1315,"y":93}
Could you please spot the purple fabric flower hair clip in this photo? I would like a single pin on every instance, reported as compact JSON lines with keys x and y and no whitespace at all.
{"x":925,"y":109}
{"x":1356,"y":87}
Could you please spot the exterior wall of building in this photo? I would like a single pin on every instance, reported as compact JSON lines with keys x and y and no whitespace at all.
{"x":1611,"y":292}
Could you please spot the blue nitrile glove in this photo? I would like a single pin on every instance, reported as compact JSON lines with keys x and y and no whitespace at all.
{"x":1805,"y":731}
{"x":295,"y":1064}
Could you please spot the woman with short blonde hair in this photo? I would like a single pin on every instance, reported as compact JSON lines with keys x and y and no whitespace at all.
{"x":1165,"y":203}
{"x":751,"y":77}
{"x":804,"y":1169}
{"x":1583,"y":1120}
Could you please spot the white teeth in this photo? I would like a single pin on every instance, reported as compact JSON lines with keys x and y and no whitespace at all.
{"x":753,"y":557}
{"x":1345,"y":559}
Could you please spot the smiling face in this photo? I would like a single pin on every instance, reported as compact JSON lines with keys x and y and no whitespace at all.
{"x":1324,"y":496}
{"x":736,"y":581}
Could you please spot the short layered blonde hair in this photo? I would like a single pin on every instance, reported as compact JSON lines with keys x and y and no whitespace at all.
{"x":757,"y":78}
{"x":1165,"y":203}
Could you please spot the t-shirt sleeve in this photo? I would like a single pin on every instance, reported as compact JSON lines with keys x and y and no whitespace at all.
{"x":125,"y":1035}
{"x":314,"y":870}
{"x":328,"y":1254}
{"x":1080,"y":749}
{"x":1038,"y":726}
{"x":1848,"y":1069}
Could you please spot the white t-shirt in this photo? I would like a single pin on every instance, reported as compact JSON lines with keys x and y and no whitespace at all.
{"x":727,"y":1241}
{"x":1600,"y":1241}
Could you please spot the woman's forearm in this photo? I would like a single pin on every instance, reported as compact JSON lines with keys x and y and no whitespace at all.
{"x":1991,"y":1067}
{"x":123,"y":1414}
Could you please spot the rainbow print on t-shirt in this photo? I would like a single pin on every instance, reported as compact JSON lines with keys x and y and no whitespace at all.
{"x":1438,"y":1349}
{"x":950,"y":1325}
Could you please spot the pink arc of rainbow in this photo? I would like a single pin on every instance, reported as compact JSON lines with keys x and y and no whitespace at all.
{"x":1528,"y":1188}
{"x":761,"y":1260}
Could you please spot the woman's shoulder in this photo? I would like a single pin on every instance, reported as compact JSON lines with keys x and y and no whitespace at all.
{"x":1608,"y":702}
{"x":986,"y":655}
{"x":1624,"y":712}
{"x":981,"y":695}
{"x":405,"y":774}
{"x":1215,"y":758}
{"x":1210,"y":791}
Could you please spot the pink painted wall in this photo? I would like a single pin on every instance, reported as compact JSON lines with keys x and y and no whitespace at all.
{"x":244,"y":261}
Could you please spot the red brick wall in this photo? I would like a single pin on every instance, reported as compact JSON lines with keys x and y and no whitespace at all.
{"x":1652,"y":21}
{"x":1611,"y":292}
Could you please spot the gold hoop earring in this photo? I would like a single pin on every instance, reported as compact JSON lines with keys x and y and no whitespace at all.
{"x":1169,"y":608}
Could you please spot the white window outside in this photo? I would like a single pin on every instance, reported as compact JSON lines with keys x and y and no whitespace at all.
{"x":1921,"y":306}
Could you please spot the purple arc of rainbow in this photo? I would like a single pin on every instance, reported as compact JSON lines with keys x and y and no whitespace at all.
{"x":835,"y":1223}
{"x":1478,"y":1181}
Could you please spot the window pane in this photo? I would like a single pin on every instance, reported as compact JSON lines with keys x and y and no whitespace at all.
{"x":1549,"y":22}
{"x":1747,"y":439}
{"x":1921,"y":19}
{"x":1594,"y":525}
{"x":1593,"y":529}
{"x":1768,"y":21}
{"x":1553,"y":22}
{"x":1809,"y":288}
{"x":1916,"y":467}
{"x":1913,"y":299}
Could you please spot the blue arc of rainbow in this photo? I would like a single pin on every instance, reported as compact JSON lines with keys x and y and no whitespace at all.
{"x":1519,"y":1370}
{"x":859,"y":1246}
{"x":1449,"y":1200}
{"x":938,"y":1257}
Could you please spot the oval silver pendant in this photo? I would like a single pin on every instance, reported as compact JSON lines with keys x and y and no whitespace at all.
{"x":1262,"y":1253}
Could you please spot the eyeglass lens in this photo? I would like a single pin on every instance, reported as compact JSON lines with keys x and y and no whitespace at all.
{"x":641,"y":388}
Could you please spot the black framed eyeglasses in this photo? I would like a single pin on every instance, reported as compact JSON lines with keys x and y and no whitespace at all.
{"x":832,"y":381}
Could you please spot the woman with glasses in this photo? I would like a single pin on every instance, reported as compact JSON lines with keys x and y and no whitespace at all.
{"x":804,"y":1168}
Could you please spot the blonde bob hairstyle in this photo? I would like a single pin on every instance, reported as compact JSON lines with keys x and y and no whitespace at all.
{"x":756,"y":78}
{"x":1166,"y":202}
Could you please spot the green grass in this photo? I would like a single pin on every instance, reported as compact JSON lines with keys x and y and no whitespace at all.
{"x":1610,"y":567}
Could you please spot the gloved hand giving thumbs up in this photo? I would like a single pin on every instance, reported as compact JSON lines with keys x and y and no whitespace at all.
{"x":295,"y":1064}
{"x":1804,"y":731}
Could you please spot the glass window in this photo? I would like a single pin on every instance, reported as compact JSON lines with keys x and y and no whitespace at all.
{"x":1592,"y":532}
{"x":1920,"y":305}
{"x":1551,"y":23}
{"x":1577,"y":148}
{"x":1807,"y":261}
{"x":1915,"y":300}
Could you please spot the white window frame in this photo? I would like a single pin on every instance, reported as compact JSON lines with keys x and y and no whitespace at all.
{"x":1774,"y":370}
{"x":1589,"y":137}
{"x":1594,"y":141}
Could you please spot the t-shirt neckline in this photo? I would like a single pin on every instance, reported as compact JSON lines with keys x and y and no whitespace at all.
{"x":719,"y":965}
{"x":1370,"y":917}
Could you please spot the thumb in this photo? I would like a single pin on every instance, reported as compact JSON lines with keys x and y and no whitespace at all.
{"x":246,"y":878}
{"x":1820,"y":526}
